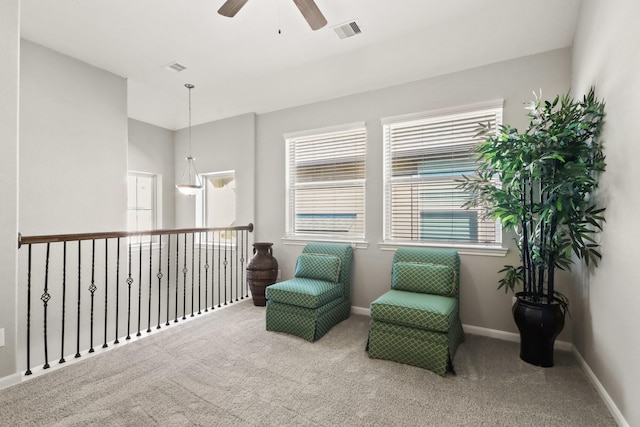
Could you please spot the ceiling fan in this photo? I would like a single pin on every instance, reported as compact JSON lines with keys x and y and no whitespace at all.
{"x":308,"y":8}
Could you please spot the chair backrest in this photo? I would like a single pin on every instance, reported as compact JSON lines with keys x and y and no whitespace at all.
{"x":344,"y":252}
{"x":446,"y":257}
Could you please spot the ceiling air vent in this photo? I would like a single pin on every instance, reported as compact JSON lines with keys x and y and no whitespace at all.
{"x":175,"y":66}
{"x":349,"y":29}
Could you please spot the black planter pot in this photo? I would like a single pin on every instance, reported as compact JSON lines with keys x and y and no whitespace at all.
{"x":539,"y":325}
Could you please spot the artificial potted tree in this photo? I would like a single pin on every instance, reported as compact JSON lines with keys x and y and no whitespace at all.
{"x":539,"y":184}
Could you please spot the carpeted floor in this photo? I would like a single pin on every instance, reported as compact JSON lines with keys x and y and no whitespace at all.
{"x":224,"y":369}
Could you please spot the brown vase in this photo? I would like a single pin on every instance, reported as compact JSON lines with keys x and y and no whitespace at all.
{"x":262,"y":271}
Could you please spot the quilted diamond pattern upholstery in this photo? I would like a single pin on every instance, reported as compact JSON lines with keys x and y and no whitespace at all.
{"x":417,"y":310}
{"x":410,"y":346}
{"x":417,"y":328}
{"x":303,"y":292}
{"x":318,"y":266}
{"x":344,"y":252}
{"x":446,"y":257}
{"x":307,"y":323}
{"x":309,"y":308}
{"x":425,"y":278}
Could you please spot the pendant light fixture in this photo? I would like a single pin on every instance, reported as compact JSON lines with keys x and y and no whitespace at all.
{"x":190,"y":184}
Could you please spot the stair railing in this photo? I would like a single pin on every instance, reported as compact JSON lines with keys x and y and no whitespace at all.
{"x":108,"y":286}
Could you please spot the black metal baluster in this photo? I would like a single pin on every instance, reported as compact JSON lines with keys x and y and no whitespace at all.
{"x":213,"y":270}
{"x":92,"y":289}
{"x":246,"y":258}
{"x":28,"y":371}
{"x":206,"y":272}
{"x":219,"y":251}
{"x":199,"y":271}
{"x":129,"y":283}
{"x":45,"y":297}
{"x":168,"y":273}
{"x":193,"y":268}
{"x":79,"y":298}
{"x":177,"y":274}
{"x":106,"y":289}
{"x":236,"y":258}
{"x":64,"y":296}
{"x":240,"y":244}
{"x":150,"y":284}
{"x":159,"y":276}
{"x":225,"y":274}
{"x":229,"y":243}
{"x":117,"y":289}
{"x":184,"y":280}
{"x":139,"y":284}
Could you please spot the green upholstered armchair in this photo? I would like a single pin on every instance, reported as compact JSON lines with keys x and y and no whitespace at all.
{"x":417,"y":322}
{"x":317,"y":298}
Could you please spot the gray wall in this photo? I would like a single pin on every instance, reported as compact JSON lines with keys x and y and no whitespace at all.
{"x":227,"y":144}
{"x":73,"y":168}
{"x":151,"y":151}
{"x":73,"y":145}
{"x":606,"y":54}
{"x":512,"y":81}
{"x":9,"y":95}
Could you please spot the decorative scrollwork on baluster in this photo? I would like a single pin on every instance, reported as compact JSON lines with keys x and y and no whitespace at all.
{"x":129,"y":283}
{"x":206,"y":273}
{"x":159,"y":276}
{"x":45,"y":298}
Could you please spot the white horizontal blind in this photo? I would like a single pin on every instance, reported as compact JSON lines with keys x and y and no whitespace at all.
{"x":422,"y":160}
{"x":326,"y":182}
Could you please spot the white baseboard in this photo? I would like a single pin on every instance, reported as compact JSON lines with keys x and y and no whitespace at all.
{"x":10,"y":380}
{"x":508,"y":336}
{"x":491,"y":333}
{"x":609,"y":403}
{"x":360,"y":310}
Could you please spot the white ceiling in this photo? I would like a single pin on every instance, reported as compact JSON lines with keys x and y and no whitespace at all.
{"x":243,"y":64}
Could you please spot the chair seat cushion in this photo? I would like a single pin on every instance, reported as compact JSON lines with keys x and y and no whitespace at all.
{"x":424,"y":311}
{"x":309,"y":293}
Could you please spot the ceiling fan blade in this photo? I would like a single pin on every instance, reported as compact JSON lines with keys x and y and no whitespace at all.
{"x":311,"y":13}
{"x":231,"y":7}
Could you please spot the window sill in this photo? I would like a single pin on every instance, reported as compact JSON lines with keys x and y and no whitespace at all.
{"x":494,"y":251}
{"x":301,"y":241}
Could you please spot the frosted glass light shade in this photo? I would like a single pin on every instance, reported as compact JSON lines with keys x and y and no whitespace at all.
{"x":190,"y":184}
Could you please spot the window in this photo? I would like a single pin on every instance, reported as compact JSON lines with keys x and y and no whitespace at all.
{"x":143,"y":197}
{"x":423,"y":156}
{"x":326,"y":183}
{"x":216,"y":205}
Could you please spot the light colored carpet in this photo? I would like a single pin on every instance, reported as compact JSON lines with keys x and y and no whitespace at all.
{"x":224,"y":369}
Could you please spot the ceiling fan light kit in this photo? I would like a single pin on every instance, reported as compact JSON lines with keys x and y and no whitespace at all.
{"x":308,"y":8}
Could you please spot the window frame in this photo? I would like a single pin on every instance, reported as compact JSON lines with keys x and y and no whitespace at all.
{"x":489,"y":249}
{"x":156,"y":206}
{"x":201,"y":210}
{"x":201,"y":197}
{"x":298,"y":238}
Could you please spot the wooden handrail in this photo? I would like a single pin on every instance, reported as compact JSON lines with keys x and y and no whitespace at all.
{"x":22,"y":240}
